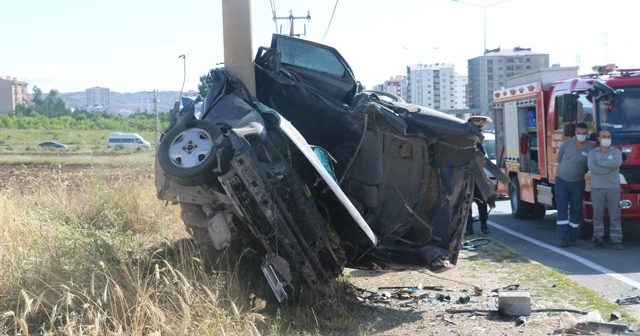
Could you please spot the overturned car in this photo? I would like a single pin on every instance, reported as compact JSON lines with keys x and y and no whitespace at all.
{"x":319,"y":173}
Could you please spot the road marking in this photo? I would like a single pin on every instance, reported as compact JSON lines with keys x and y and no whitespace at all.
{"x":570,"y":255}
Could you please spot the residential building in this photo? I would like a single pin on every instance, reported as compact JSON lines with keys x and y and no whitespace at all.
{"x":436,"y":86}
{"x":12,"y":93}
{"x":98,"y":97}
{"x":461,"y":92}
{"x":500,"y":64}
{"x":397,"y":85}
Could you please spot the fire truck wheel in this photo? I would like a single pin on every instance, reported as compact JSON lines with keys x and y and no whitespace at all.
{"x":585,"y":230}
{"x":538,"y":211}
{"x":519,"y":208}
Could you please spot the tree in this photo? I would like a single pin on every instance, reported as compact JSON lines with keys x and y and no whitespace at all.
{"x":203,"y":87}
{"x":37,"y":96}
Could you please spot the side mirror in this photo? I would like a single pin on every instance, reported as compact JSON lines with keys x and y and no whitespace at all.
{"x":568,"y":107}
{"x":592,"y":137}
{"x":605,"y":91}
{"x":569,"y":130}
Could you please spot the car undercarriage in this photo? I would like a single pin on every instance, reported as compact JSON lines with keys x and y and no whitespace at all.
{"x":320,"y":173}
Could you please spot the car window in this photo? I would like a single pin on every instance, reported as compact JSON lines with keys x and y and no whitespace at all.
{"x":309,"y":57}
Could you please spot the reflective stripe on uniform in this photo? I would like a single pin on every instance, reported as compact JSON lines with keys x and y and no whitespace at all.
{"x":562,"y":222}
{"x":574,"y":225}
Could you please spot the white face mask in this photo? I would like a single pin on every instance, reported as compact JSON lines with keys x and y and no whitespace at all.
{"x":605,"y":142}
{"x":581,"y":137}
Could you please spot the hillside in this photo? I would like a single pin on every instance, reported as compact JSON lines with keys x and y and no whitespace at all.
{"x":130,"y":101}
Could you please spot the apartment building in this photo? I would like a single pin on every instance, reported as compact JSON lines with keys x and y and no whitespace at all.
{"x":436,"y":86}
{"x":397,"y":85}
{"x":12,"y":93}
{"x":98,"y":97}
{"x":485,"y":77}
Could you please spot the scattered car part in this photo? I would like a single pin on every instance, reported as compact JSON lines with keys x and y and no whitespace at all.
{"x":628,"y":300}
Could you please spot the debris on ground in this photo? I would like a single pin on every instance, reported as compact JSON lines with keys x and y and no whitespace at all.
{"x":615,"y":316}
{"x":514,"y":303}
{"x":473,"y":244}
{"x":464,"y":298}
{"x":628,"y":300}
{"x":591,"y":323}
{"x":521,"y":320}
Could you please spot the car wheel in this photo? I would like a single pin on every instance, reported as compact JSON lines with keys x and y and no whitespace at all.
{"x":187,"y":153}
{"x":519,"y":208}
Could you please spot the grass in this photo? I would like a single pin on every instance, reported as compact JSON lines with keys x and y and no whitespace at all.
{"x":92,"y":251}
{"x":547,"y":283}
{"x":15,"y":139}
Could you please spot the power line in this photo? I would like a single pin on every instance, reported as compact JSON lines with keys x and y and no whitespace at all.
{"x":273,"y":11}
{"x":330,"y":20}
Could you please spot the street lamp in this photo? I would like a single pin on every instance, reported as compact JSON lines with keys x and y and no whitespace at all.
{"x":422,"y":50}
{"x":420,"y":64}
{"x":484,"y":52}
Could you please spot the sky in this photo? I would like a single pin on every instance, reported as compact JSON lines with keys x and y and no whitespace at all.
{"x":133,"y":45}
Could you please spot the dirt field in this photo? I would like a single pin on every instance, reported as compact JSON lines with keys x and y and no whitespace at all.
{"x":23,"y":176}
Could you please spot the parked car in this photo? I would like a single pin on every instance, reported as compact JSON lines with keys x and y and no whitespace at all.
{"x":53,"y":144}
{"x":318,"y":173}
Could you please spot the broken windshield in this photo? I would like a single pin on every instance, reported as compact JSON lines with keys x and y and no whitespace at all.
{"x":623,"y":116}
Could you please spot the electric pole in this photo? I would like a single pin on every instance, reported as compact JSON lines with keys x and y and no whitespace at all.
{"x":155,"y":109}
{"x":238,"y":52}
{"x":291,"y":20}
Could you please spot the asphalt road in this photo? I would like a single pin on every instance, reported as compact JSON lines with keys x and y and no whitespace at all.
{"x":613,"y":274}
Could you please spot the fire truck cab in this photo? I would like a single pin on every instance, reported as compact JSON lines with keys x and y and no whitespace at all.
{"x":533,"y":118}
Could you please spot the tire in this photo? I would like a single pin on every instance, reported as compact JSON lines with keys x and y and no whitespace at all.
{"x":187,"y":153}
{"x":519,"y":208}
{"x":538,"y":211}
{"x":585,"y":230}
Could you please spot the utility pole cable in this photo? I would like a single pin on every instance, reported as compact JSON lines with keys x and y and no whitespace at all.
{"x":291,"y":20}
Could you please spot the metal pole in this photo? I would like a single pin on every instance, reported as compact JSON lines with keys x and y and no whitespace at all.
{"x":155,"y":108}
{"x":238,"y":52}
{"x":486,"y":69}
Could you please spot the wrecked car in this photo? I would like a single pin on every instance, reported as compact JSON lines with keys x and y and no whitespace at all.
{"x":318,"y":172}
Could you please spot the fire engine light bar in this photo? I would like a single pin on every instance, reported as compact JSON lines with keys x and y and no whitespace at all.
{"x":626,"y":204}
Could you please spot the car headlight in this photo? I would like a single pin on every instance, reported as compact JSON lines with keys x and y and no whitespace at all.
{"x":623,"y":180}
{"x":625,"y":204}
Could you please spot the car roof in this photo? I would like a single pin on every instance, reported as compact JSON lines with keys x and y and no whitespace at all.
{"x":489,"y":136}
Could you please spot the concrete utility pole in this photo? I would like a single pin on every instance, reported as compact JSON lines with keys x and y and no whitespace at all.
{"x":291,"y":20}
{"x":238,"y":52}
{"x":155,"y":109}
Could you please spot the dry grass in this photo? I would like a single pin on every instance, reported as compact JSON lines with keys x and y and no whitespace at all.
{"x":91,"y":251}
{"x":84,"y":256}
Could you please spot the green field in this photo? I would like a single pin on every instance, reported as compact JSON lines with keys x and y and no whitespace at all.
{"x":26,"y":140}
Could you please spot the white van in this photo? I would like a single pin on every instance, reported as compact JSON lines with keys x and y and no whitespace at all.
{"x":127,"y":140}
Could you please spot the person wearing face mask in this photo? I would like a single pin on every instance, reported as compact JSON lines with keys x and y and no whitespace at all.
{"x":569,"y":189}
{"x":604,"y":164}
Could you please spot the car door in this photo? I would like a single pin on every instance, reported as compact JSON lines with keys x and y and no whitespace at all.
{"x":319,"y":65}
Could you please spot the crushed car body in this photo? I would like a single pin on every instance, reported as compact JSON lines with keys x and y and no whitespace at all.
{"x":318,"y":172}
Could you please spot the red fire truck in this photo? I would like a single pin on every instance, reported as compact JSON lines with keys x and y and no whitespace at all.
{"x":534,"y":117}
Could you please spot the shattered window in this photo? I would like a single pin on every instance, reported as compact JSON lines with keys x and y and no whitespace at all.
{"x":310,"y":57}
